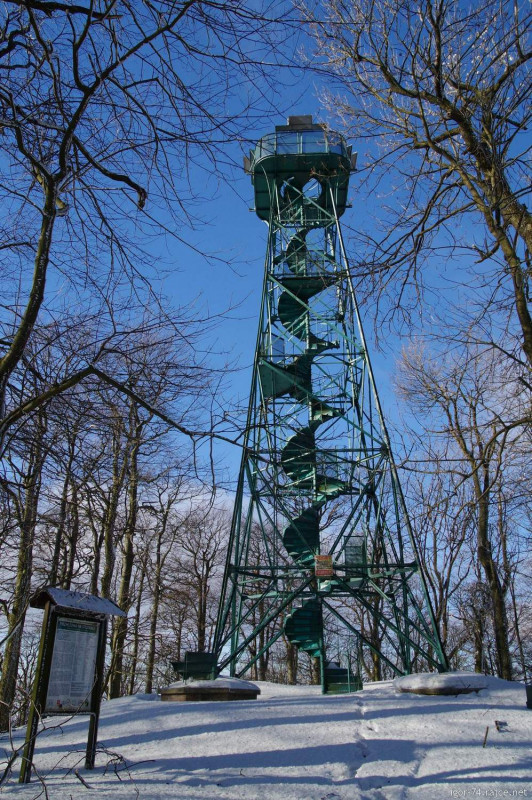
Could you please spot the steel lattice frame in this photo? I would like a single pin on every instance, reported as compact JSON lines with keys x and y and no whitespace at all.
{"x":317,"y":474}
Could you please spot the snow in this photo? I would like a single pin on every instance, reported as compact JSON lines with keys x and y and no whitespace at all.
{"x":80,"y":601}
{"x":447,"y":683}
{"x":220,"y":683}
{"x":295,"y":744}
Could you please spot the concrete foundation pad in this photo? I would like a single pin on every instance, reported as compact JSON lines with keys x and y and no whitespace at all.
{"x":447,"y":683}
{"x":221,"y":689}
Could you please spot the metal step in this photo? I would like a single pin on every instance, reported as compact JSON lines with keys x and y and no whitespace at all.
{"x":304,"y":627}
{"x":301,"y":538}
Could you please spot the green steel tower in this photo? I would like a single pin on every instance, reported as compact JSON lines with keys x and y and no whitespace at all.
{"x":320,"y":540}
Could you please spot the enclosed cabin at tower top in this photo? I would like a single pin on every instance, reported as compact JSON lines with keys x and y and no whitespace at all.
{"x":307,"y":156}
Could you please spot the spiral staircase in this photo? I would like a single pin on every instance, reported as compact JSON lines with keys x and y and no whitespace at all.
{"x":315,"y":443}
{"x":303,"y":281}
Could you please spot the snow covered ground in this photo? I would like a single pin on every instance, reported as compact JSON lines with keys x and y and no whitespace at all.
{"x":294,"y":744}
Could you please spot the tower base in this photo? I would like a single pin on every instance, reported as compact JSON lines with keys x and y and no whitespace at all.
{"x":221,"y":689}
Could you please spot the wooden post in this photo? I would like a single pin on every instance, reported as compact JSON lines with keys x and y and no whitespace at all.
{"x":96,"y":697}
{"x":40,"y":688}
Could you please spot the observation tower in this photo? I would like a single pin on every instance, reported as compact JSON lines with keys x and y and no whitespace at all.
{"x":321,"y":552}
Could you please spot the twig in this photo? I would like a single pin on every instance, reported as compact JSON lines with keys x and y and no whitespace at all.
{"x":485,"y":737}
{"x":4,"y":777}
{"x":80,"y":778}
{"x":8,"y":768}
{"x":115,"y":760}
{"x":43,"y":784}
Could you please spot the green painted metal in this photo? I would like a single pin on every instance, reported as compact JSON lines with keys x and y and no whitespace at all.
{"x":304,"y":627}
{"x":344,"y":674}
{"x":317,"y":476}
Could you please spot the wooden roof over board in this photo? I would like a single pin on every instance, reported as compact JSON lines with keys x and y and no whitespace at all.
{"x":64,"y":598}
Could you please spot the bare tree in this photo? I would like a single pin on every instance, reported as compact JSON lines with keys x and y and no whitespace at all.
{"x":74,"y":467}
{"x":164,"y":539}
{"x":467,"y":400}
{"x":125,"y":593}
{"x":203,"y":537}
{"x":103,"y":108}
{"x":440,"y":92}
{"x":23,"y":487}
{"x":443,"y":521}
{"x":152,"y":364}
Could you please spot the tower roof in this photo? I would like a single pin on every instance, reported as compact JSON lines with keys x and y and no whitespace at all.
{"x":302,"y":122}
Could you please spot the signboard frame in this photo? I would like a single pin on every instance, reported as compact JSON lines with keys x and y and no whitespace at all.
{"x":323,"y":566}
{"x":86,"y":696}
{"x":54,"y":614}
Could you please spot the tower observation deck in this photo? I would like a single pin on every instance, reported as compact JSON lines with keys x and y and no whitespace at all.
{"x":289,"y":156}
{"x":321,"y":553}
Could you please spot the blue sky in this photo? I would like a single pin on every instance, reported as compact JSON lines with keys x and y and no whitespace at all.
{"x":230,"y":232}
{"x":233,"y":232}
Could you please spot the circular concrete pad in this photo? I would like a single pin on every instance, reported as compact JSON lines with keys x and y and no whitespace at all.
{"x":448,"y":683}
{"x":221,"y":689}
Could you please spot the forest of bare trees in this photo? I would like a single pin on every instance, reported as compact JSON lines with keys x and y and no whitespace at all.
{"x":437,"y":96}
{"x":105,"y":108}
{"x":105,"y":390}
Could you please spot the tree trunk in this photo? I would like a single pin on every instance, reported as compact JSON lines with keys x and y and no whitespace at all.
{"x":136,"y":628}
{"x":485,"y":557}
{"x":291,"y":663}
{"x":124,"y":595}
{"x":375,"y":638}
{"x":27,"y":518}
{"x":316,"y":670}
{"x":73,"y":539}
{"x":265,"y":657}
{"x":61,"y":523}
{"x":111,"y":511}
{"x":202,"y":612}
{"x":19,"y":342}
{"x":154,"y":616}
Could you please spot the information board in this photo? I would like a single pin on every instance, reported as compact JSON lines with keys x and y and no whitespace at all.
{"x":72,"y":672}
{"x":323,"y":566}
